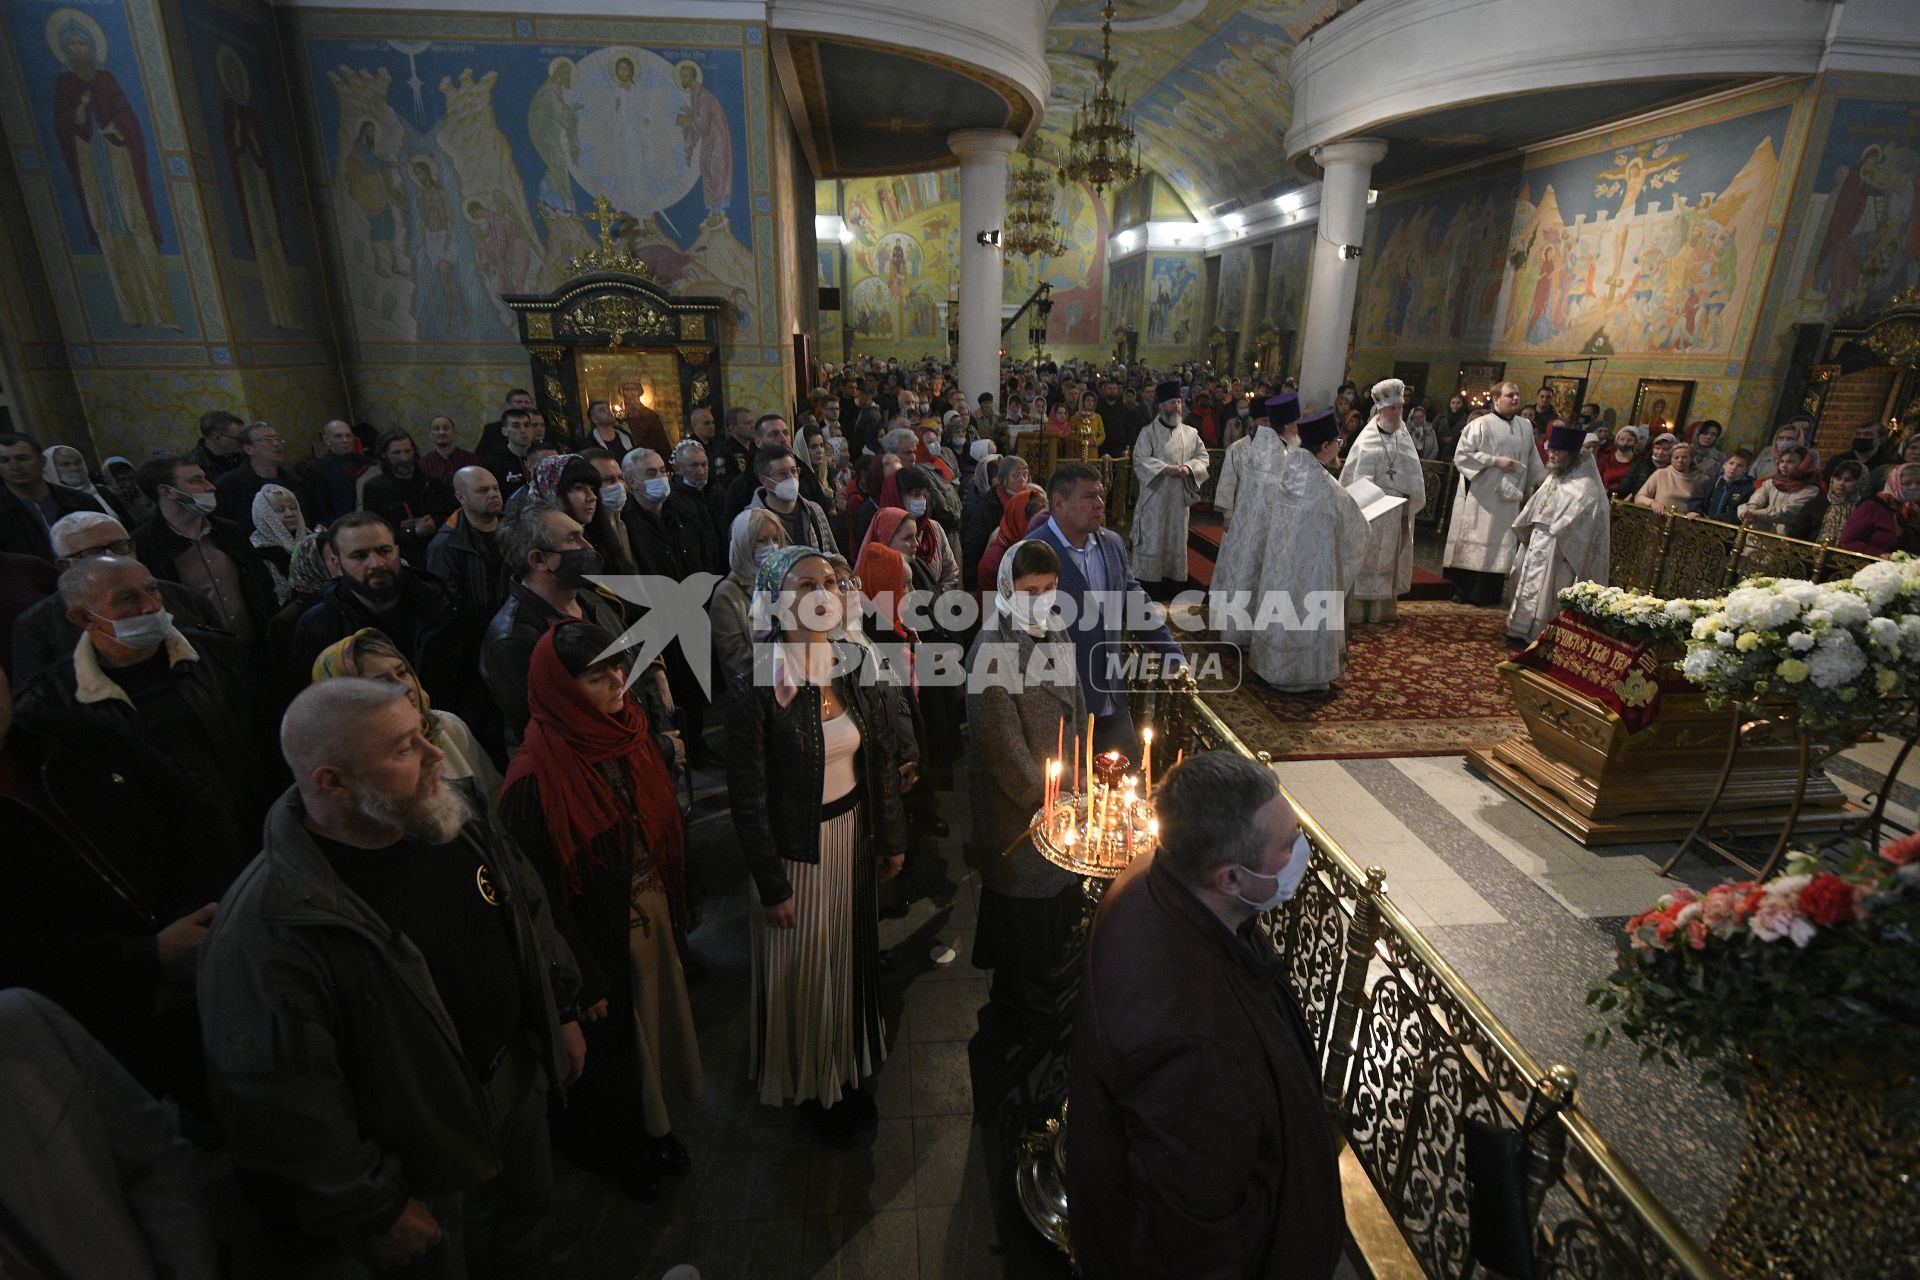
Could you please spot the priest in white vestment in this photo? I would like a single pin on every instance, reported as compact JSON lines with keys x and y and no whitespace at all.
{"x":1499,"y":466}
{"x":1564,"y":535}
{"x":1170,"y":465}
{"x":1250,"y":481}
{"x":1314,"y":543}
{"x":1384,"y":453}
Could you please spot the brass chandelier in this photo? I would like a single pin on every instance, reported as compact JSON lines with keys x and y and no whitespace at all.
{"x":1030,"y":226}
{"x":1102,"y":150}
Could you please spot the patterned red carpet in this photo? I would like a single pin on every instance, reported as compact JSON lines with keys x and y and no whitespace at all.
{"x":1425,"y":686}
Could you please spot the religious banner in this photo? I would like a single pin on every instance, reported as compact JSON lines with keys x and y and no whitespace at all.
{"x":1624,"y":676}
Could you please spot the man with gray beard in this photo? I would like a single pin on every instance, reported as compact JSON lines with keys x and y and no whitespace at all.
{"x":385,"y":1003}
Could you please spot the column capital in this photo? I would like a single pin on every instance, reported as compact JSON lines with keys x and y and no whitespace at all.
{"x":1360,"y":151}
{"x":969,"y":143}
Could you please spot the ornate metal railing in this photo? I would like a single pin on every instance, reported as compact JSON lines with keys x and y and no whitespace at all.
{"x":1042,"y":455}
{"x":1408,"y":1054}
{"x":1672,"y":555}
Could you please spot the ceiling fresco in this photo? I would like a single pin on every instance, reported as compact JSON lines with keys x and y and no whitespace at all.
{"x":1208,"y":84}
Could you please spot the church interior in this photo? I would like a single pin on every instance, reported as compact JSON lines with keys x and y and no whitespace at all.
{"x":1692,"y":228}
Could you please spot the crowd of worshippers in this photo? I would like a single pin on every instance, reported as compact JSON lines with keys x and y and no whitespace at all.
{"x":341,"y":819}
{"x":343,"y":816}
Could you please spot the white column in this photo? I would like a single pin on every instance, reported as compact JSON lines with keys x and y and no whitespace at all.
{"x":1345,"y":170}
{"x":983,"y":204}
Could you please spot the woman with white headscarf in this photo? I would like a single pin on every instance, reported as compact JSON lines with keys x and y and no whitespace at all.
{"x":277,"y":526}
{"x":756,"y":534}
{"x":1022,"y":687}
{"x":67,"y":467}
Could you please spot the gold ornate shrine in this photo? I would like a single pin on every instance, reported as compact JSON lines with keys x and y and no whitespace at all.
{"x":613,"y":333}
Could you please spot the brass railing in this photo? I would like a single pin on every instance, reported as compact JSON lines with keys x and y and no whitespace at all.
{"x":1673,"y":555}
{"x":1408,"y":1054}
{"x":1042,"y":455}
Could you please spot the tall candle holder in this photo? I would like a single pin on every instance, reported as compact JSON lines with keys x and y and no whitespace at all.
{"x":1095,"y":834}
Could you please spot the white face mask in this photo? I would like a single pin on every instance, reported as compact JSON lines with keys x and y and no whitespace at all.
{"x":73,"y":479}
{"x":760,"y":554}
{"x":1286,"y":880}
{"x":141,"y":630}
{"x":916,"y":507}
{"x":787,"y":490}
{"x":657,"y":489}
{"x":613,"y":496}
{"x":204,"y":503}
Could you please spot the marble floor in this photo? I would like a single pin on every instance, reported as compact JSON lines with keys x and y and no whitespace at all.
{"x":1523,"y":913}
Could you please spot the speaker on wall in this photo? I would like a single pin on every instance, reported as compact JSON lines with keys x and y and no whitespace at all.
{"x":829,"y":299}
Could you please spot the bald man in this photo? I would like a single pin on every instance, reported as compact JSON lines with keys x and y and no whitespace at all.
{"x":386,"y":1004}
{"x":186,"y":693}
{"x":333,"y":478}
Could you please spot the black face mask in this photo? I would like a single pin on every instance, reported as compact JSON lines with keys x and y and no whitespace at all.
{"x":577,"y":565}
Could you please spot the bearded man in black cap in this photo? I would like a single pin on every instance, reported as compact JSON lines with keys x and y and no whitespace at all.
{"x":1170,"y":465}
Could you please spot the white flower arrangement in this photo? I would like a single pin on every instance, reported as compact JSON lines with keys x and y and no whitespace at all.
{"x":1834,"y":648}
{"x":1634,"y":615}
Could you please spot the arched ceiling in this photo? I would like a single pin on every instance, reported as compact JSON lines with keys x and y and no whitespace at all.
{"x":1207,"y":80}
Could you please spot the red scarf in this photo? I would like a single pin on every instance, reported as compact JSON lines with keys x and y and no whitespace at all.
{"x":1808,"y":472}
{"x":886,"y":522}
{"x":565,"y":740}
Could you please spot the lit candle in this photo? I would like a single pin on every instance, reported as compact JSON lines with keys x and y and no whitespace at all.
{"x":1089,"y":769}
{"x":1146,"y":763}
{"x":1053,"y":783}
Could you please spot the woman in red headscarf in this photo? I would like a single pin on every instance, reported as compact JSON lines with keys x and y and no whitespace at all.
{"x":1788,"y":501}
{"x":888,"y":569}
{"x":591,"y":802}
{"x":1890,"y":520}
{"x":1015,"y":516}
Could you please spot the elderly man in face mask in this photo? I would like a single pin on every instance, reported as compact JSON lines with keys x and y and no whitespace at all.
{"x":188,"y":694}
{"x":43,"y":636}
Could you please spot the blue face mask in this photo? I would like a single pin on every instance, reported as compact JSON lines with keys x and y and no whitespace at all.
{"x":1286,"y":880}
{"x":916,"y":507}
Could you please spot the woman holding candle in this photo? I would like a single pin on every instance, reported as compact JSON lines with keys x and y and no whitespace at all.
{"x":1021,"y":692}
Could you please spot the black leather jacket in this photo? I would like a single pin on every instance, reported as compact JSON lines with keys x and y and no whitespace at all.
{"x":776,"y":767}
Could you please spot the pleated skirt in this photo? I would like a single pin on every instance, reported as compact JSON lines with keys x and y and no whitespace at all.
{"x":817,"y":1028}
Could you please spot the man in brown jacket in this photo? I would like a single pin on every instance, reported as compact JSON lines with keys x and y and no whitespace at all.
{"x":1198,"y":1146}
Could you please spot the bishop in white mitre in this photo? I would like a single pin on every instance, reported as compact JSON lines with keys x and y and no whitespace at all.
{"x":1315,"y":539}
{"x":1564,"y":534}
{"x":1249,"y":479}
{"x":1384,"y":453}
{"x":1170,"y":465}
{"x":1499,"y":466}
